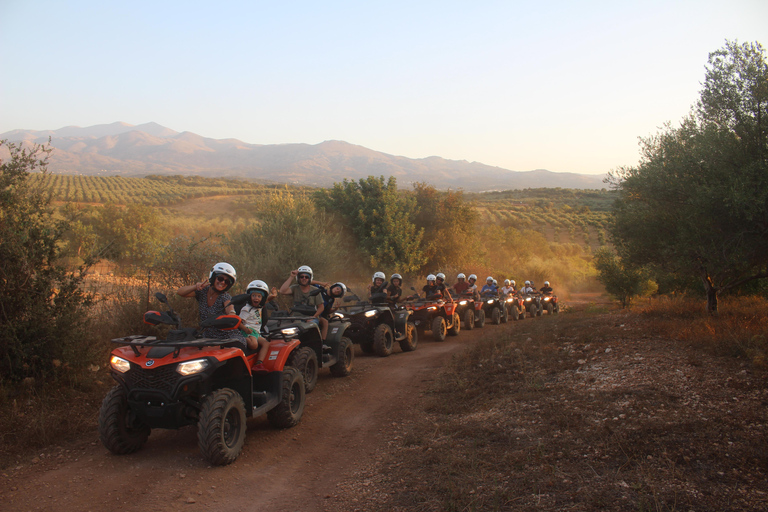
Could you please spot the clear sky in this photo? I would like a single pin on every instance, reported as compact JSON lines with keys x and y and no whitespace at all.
{"x":564,"y":86}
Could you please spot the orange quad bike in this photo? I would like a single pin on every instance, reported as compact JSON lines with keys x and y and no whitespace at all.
{"x":434,"y":315}
{"x":187,"y":379}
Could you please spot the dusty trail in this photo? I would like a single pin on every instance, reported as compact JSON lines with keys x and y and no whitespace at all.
{"x":345,"y":422}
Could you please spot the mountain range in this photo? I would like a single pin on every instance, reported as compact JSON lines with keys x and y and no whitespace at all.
{"x":128,"y":150}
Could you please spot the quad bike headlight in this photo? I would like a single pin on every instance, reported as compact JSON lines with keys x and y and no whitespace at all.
{"x":463,"y":303}
{"x":527,"y":299}
{"x":490,"y":301}
{"x":290,"y":331}
{"x":432,"y":308}
{"x":371,"y":313}
{"x":120,"y":364}
{"x":192,"y":367}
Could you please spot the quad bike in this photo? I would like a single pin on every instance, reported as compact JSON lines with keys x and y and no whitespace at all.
{"x":479,"y":313}
{"x":376,"y":326}
{"x":515,"y":307}
{"x":495,"y":308}
{"x":465,"y":309}
{"x":187,"y":379}
{"x":549,"y":303}
{"x":336,"y":352}
{"x":532,"y":303}
{"x":433,"y":314}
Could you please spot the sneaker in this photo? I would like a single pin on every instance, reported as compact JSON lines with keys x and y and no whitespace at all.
{"x":259,"y":368}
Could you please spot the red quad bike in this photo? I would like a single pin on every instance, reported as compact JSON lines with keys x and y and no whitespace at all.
{"x":515,"y":307}
{"x":190,"y":380}
{"x":495,"y":308}
{"x":434,"y":315}
{"x":376,"y":326}
{"x":532,"y":303}
{"x":465,"y":307}
{"x":549,"y":303}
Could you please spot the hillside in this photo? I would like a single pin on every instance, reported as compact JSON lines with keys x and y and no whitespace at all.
{"x":127,"y":150}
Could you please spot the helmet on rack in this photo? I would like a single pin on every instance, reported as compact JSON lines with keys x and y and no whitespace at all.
{"x":440,"y":275}
{"x":379,"y":275}
{"x":223,"y":269}
{"x":431,"y":277}
{"x":461,"y":276}
{"x":258,"y":286}
{"x":304,"y":269}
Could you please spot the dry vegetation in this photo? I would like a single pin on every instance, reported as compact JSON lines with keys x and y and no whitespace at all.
{"x":660,"y":408}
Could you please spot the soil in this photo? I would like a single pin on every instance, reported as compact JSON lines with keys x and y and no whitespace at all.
{"x":345,"y":422}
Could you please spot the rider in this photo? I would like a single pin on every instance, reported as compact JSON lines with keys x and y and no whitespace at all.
{"x":430,"y":289}
{"x":254,"y":317}
{"x":472,"y":288}
{"x":395,"y":289}
{"x":461,"y":285}
{"x":546,"y":289}
{"x":513,"y":285}
{"x":378,"y":284}
{"x":336,"y":291}
{"x":489,"y":288}
{"x":507,"y":288}
{"x":301,"y":292}
{"x":443,"y":289}
{"x":213,"y":299}
{"x":528,"y":288}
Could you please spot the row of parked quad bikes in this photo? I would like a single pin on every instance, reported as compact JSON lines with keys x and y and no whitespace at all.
{"x":185,"y":379}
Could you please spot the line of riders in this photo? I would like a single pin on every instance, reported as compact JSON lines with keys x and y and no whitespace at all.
{"x":234,"y":366}
{"x":214,"y":300}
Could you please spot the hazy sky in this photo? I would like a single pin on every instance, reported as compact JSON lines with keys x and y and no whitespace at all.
{"x":564,"y":86}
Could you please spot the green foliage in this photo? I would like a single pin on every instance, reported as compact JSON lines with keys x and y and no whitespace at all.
{"x":381,"y":220}
{"x":290,"y":232}
{"x":42,"y":309}
{"x":697,"y":204}
{"x":622,"y":281}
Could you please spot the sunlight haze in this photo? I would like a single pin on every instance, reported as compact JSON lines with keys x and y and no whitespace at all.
{"x":563,"y":86}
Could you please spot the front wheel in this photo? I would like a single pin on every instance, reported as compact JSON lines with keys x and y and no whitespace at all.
{"x":291,"y":407}
{"x":496,"y":316}
{"x":504,"y":313}
{"x":304,"y":359}
{"x":383,"y":340}
{"x":411,"y":339}
{"x":469,"y":319}
{"x":120,"y":430}
{"x":221,"y":427}
{"x":532,"y":310}
{"x":455,"y":325}
{"x":438,"y":328}
{"x":515,"y":313}
{"x":550,"y":309}
{"x":480,"y":318}
{"x":343,"y":366}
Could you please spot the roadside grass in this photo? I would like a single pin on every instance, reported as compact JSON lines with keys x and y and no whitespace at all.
{"x":649,"y":409}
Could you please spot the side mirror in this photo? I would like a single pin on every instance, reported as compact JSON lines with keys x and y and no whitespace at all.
{"x":161,"y":297}
{"x":223,"y":322}
{"x":157,"y":318}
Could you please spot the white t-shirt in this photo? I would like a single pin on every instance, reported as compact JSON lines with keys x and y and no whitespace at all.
{"x":251,"y":317}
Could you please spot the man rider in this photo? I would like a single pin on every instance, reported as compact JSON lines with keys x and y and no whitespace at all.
{"x":489,"y":288}
{"x":546,"y":289}
{"x":461,"y":285}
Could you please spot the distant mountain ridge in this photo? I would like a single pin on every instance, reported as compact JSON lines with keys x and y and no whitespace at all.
{"x":128,"y":150}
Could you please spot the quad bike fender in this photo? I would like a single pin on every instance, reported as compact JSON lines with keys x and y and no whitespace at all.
{"x":278,"y":354}
{"x":336,"y":332}
{"x":401,"y":317}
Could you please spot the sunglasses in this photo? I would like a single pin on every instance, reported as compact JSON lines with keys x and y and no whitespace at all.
{"x":223,"y":279}
{"x":303,"y":276}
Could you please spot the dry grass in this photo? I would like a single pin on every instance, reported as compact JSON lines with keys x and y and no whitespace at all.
{"x":641,"y":410}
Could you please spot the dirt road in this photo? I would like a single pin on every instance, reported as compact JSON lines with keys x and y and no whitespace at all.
{"x":345,"y":422}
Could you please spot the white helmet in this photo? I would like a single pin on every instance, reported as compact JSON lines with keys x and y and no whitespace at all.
{"x":512,"y":282}
{"x":378,"y":275}
{"x":506,"y":282}
{"x":304,"y":269}
{"x":527,"y":283}
{"x":488,"y":279}
{"x":396,"y":276}
{"x":461,"y":276}
{"x":343,"y":288}
{"x":258,"y":286}
{"x":431,"y":277}
{"x":546,"y":283}
{"x":440,"y":275}
{"x":473,"y":276}
{"x":495,"y":283}
{"x":223,"y":268}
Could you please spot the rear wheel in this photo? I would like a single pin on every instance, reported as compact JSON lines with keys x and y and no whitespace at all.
{"x":480,"y":318}
{"x":496,"y":316}
{"x":304,"y":359}
{"x":120,"y":430}
{"x":469,"y":319}
{"x":456,"y":325}
{"x":438,"y":328}
{"x":221,"y":427}
{"x":291,"y":407}
{"x":383,"y":340}
{"x":343,"y":366}
{"x":411,"y":339}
